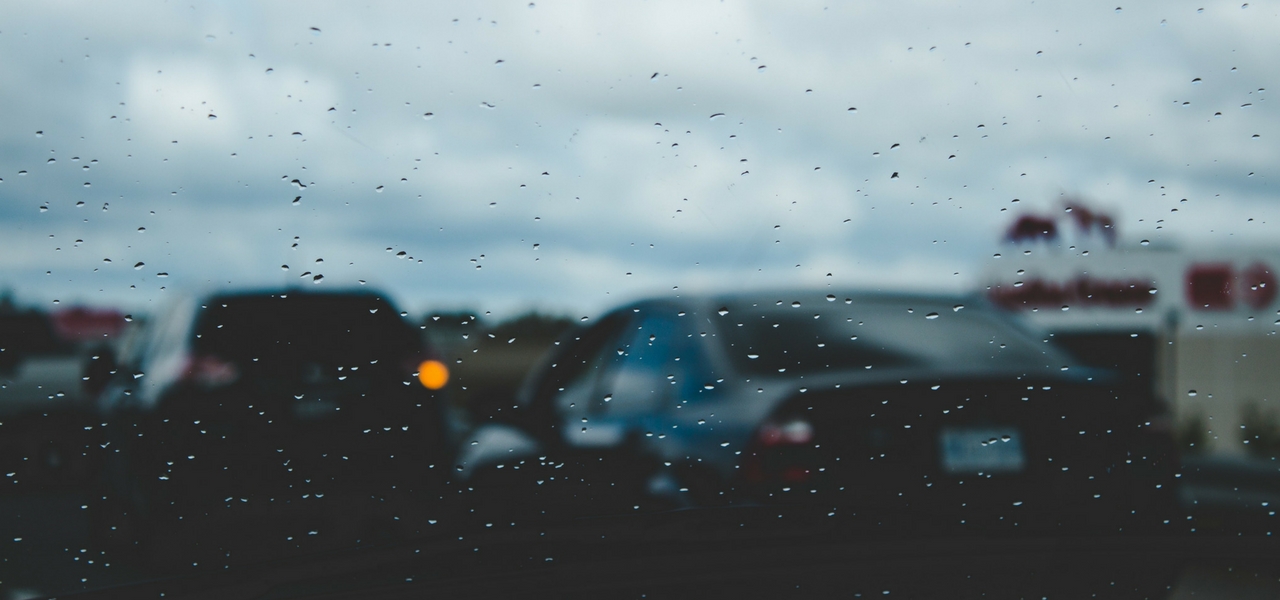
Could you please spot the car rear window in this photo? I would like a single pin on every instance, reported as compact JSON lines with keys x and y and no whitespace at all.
{"x":793,"y":337}
{"x":324,"y":328}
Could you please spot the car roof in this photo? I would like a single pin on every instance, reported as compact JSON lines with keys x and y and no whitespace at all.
{"x":786,"y":295}
{"x":896,"y":326}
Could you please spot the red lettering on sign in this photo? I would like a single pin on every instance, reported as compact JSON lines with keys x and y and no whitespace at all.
{"x":1209,"y":287}
{"x":80,"y":324}
{"x":1082,"y":291}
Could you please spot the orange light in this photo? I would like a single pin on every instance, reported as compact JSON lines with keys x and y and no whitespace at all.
{"x":433,"y":374}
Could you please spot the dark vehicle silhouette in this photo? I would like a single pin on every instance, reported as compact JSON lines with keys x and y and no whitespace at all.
{"x":920,"y":411}
{"x":48,"y":434}
{"x":273,"y":420}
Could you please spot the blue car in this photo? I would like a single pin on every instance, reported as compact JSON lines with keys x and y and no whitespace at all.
{"x":878,"y":407}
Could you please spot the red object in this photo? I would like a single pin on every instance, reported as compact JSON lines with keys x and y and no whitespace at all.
{"x":1082,"y":291}
{"x":1032,"y":228}
{"x":1209,"y":287}
{"x":1087,"y":221}
{"x":210,"y":371}
{"x":793,"y":433}
{"x":79,"y":324}
{"x":778,"y":453}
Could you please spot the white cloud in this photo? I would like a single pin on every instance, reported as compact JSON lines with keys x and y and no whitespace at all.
{"x":1074,"y":99}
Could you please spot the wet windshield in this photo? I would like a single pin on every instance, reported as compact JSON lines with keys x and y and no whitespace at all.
{"x":918,"y":298}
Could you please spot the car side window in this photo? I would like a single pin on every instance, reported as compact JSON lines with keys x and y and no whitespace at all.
{"x":641,"y":373}
{"x":572,"y":377}
{"x":663,"y":365}
{"x":696,"y":377}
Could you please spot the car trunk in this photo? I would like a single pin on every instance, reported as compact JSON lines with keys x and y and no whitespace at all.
{"x":969,"y":451}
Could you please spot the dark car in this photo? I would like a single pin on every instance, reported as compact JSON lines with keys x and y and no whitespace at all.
{"x":876,"y":408}
{"x":48,"y":432}
{"x":284,"y":417}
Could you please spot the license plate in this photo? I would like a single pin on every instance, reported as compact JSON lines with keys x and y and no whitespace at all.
{"x":981,"y":450}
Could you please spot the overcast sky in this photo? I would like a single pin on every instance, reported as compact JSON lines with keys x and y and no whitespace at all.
{"x":572,"y":156}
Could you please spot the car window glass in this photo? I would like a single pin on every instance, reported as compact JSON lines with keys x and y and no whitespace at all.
{"x":642,"y":371}
{"x":342,"y":331}
{"x":573,"y":386}
{"x":287,"y":278}
{"x":835,"y":336}
{"x":164,"y":357}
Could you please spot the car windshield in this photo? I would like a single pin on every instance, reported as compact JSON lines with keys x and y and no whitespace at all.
{"x":639,"y":299}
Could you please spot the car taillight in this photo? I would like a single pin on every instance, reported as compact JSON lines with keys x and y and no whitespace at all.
{"x":793,"y":432}
{"x":211,"y":371}
{"x":781,"y":452}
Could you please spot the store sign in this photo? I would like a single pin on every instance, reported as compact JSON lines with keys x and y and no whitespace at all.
{"x":1218,"y":286}
{"x":1036,"y":293}
{"x":1209,"y":286}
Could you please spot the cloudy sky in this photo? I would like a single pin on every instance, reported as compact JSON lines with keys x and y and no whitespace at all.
{"x":571,"y":156}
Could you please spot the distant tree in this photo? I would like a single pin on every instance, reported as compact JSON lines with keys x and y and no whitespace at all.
{"x":444,"y":330}
{"x":533,"y":325}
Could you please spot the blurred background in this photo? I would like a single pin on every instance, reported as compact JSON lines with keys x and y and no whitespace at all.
{"x":505,"y":172}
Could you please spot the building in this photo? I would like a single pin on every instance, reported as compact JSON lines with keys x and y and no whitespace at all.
{"x":1198,"y":323}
